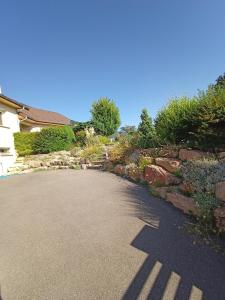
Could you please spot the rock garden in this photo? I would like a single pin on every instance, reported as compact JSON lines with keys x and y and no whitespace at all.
{"x":180,"y":154}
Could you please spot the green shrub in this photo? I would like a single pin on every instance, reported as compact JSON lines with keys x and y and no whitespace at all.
{"x":81,"y":126}
{"x":122,"y":149}
{"x":202,"y":175}
{"x":144,"y":161}
{"x":52,"y":139}
{"x":104,"y":140}
{"x":174,"y":123}
{"x":24,"y":142}
{"x":105,"y":116}
{"x":80,"y":138}
{"x":208,"y":121}
{"x":92,"y":152}
{"x":197,"y":122}
{"x":146,"y":132}
{"x":75,"y":151}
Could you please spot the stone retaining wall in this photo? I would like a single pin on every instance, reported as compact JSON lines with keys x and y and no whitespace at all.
{"x":163,"y":176}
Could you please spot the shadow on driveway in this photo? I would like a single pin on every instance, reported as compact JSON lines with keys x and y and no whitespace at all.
{"x":176,"y":267}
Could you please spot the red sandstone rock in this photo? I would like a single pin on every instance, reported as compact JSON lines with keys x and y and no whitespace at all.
{"x":120,"y":170}
{"x":134,"y":173}
{"x":168,"y":152}
{"x":186,"y":187}
{"x":219,"y":214}
{"x":156,"y":175}
{"x":220,"y":190}
{"x":185,"y":154}
{"x":170,"y":164}
{"x":186,"y":204}
{"x":221,"y":155}
{"x":161,"y":191}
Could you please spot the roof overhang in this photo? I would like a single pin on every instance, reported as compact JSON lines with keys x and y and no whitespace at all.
{"x":10,"y":102}
{"x":30,"y":122}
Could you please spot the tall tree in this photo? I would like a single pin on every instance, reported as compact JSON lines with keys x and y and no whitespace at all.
{"x":146,"y":130}
{"x":220,"y":81}
{"x":145,"y":127}
{"x":105,"y":116}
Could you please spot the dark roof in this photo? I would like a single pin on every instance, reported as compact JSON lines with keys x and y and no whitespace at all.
{"x":44,"y":116}
{"x":38,"y":115}
{"x":12,"y":101}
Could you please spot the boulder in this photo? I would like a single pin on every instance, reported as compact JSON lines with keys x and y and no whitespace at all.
{"x":34,"y":164}
{"x":169,"y":152}
{"x":134,"y":172}
{"x":185,"y":154}
{"x":156,"y":175}
{"x":186,"y":187}
{"x":120,"y":170}
{"x":221,"y":155}
{"x":170,"y":164}
{"x":220,"y":190}
{"x":56,"y":162}
{"x":149,"y":152}
{"x":186,"y":204}
{"x":108,"y":166}
{"x":45,"y":163}
{"x":160,"y":191}
{"x":25,"y":167}
{"x":219,"y":214}
{"x":64,"y":167}
{"x":133,"y":157}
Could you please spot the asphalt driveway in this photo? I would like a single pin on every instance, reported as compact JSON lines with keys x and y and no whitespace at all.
{"x":92,"y":235}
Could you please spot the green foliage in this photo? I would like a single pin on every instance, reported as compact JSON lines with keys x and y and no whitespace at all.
{"x":146,"y":131}
{"x":197,"y":122}
{"x":121,"y":150}
{"x":220,"y":81}
{"x":145,"y":127}
{"x":105,"y":116}
{"x":206,"y":202}
{"x":145,"y":161}
{"x":104,"y":140}
{"x":81,"y":126}
{"x":202,"y":175}
{"x":208,"y":121}
{"x":92,"y":152}
{"x":53,"y":139}
{"x":75,"y":151}
{"x":24,"y":142}
{"x":80,"y":138}
{"x":174,"y":122}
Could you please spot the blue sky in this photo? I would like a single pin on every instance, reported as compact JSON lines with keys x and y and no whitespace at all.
{"x":63,"y":55}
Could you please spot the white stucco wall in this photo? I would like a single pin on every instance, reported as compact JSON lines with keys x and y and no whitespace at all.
{"x":32,"y":128}
{"x":10,"y":118}
{"x":36,"y":129}
{"x":10,"y":124}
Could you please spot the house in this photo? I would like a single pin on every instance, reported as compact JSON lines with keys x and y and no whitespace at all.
{"x":16,"y":117}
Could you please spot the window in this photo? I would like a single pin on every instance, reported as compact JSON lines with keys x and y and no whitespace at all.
{"x":4,"y":150}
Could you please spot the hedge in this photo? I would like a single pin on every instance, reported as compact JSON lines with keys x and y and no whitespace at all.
{"x":48,"y":140}
{"x":198,"y":122}
{"x":24,"y":142}
{"x":53,"y":139}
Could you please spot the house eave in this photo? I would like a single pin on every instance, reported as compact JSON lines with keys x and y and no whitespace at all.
{"x":30,"y":122}
{"x":10,"y":102}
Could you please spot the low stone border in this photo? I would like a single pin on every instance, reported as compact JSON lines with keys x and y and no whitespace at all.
{"x":162,"y":176}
